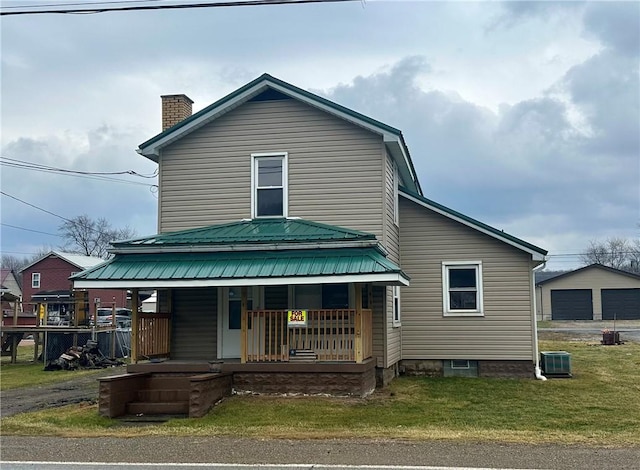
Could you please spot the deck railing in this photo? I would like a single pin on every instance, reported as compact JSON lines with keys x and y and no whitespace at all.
{"x":330,"y":335}
{"x":154,"y":335}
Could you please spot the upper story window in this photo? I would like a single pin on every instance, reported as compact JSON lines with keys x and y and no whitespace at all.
{"x":462,"y":288}
{"x":35,"y":280}
{"x":269,"y":185}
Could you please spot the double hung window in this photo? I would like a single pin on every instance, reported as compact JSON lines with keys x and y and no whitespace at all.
{"x":269,"y":185}
{"x":35,"y":280}
{"x":462,"y":288}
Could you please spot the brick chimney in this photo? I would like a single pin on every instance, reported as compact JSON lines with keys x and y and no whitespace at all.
{"x":175,"y":108}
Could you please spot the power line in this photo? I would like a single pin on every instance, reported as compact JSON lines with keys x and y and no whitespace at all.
{"x":172,"y":7}
{"x":95,"y":175}
{"x":49,"y":5}
{"x":35,"y":207}
{"x":31,"y":230}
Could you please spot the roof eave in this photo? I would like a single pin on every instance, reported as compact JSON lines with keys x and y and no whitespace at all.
{"x":393,"y":279}
{"x":537,"y":254}
{"x":392,"y":137}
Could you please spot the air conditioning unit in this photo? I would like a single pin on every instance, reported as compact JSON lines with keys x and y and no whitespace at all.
{"x":555,"y":363}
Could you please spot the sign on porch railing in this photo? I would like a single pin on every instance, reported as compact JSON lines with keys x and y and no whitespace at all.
{"x":296,"y":318}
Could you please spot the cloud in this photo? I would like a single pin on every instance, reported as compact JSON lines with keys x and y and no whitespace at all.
{"x":526,"y":162}
{"x":616,"y":25}
{"x":128,"y":202}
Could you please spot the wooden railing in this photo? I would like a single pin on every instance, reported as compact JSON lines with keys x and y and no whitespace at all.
{"x":154,"y":335}
{"x":330,"y":335}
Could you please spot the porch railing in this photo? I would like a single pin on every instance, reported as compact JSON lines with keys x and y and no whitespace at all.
{"x":154,"y":335}
{"x":330,"y":335}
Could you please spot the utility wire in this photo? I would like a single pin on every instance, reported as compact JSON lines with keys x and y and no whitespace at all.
{"x":31,"y":230}
{"x":171,"y":7}
{"x":26,"y":164}
{"x":36,"y":207}
{"x":49,"y":5}
{"x":11,"y":162}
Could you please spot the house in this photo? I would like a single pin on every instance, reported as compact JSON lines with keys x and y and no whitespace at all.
{"x":11,"y":294}
{"x":297,"y":253}
{"x":46,"y":282}
{"x":593,"y":292}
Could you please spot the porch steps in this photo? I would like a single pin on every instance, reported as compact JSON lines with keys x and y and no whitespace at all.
{"x":163,"y":408}
{"x":162,"y":395}
{"x":303,"y":355}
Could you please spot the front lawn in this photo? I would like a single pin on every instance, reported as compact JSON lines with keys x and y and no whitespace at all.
{"x":599,"y":406}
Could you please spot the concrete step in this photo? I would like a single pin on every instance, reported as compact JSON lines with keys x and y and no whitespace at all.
{"x":158,"y":408}
{"x":162,"y":395}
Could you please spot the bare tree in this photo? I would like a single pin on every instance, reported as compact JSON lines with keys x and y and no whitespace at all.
{"x":615,"y":252}
{"x":15,"y":263}
{"x":91,"y":237}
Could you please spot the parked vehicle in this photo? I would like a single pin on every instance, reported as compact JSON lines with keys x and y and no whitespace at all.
{"x":105,"y":317}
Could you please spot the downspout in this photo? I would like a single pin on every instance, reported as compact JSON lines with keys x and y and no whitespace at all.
{"x":536,"y":353}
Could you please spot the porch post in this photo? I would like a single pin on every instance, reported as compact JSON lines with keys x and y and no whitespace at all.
{"x":358,"y":325}
{"x":134,"y":326}
{"x":243,"y":325}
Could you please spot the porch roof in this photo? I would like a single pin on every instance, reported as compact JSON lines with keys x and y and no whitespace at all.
{"x":238,"y":268}
{"x":259,"y":232}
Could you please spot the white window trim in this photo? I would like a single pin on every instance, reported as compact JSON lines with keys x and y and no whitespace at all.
{"x":397,"y":314}
{"x":446,"y":307}
{"x":396,"y":203}
{"x":35,"y":280}
{"x":285,"y":182}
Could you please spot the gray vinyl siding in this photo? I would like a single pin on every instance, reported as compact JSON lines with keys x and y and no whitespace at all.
{"x":392,"y":244}
{"x":593,"y":278}
{"x":194,"y":324}
{"x":379,"y":319}
{"x":335,"y":168}
{"x":505,"y":332}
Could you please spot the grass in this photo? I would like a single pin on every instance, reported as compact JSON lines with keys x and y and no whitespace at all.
{"x":599,"y":406}
{"x":26,"y":373}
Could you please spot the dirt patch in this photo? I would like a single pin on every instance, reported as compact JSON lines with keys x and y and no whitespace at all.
{"x":82,"y":389}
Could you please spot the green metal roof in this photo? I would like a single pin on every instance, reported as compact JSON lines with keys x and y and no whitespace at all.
{"x":286,"y":266}
{"x":474,"y":223}
{"x":255,"y":231}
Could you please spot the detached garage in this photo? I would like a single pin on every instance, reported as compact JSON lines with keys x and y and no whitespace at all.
{"x":620,"y":304}
{"x":595,"y":292}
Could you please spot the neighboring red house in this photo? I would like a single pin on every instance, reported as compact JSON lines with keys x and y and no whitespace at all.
{"x":46,"y":281}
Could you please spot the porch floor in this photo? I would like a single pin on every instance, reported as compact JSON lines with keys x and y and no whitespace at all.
{"x":169,"y":366}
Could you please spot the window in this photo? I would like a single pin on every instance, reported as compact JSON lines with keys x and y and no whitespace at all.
{"x":269,"y":185}
{"x":396,"y":306}
{"x":335,"y":296}
{"x":462,"y":288}
{"x":35,"y":280}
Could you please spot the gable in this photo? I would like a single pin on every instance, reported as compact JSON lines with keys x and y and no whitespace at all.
{"x":268,"y":88}
{"x":536,"y":253}
{"x":593,"y":275}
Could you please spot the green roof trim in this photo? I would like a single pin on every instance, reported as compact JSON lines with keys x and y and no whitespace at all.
{"x":255,"y":231}
{"x":268,"y":78}
{"x":128,"y":269}
{"x":474,"y":223}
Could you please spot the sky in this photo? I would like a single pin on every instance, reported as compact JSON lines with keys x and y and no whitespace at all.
{"x":523,"y":115}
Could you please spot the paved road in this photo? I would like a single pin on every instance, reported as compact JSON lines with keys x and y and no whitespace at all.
{"x":320,"y":452}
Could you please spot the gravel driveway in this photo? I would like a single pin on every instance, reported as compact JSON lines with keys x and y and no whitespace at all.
{"x":82,"y":389}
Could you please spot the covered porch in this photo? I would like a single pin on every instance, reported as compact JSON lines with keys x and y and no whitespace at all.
{"x":282,"y":305}
{"x":263,"y":335}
